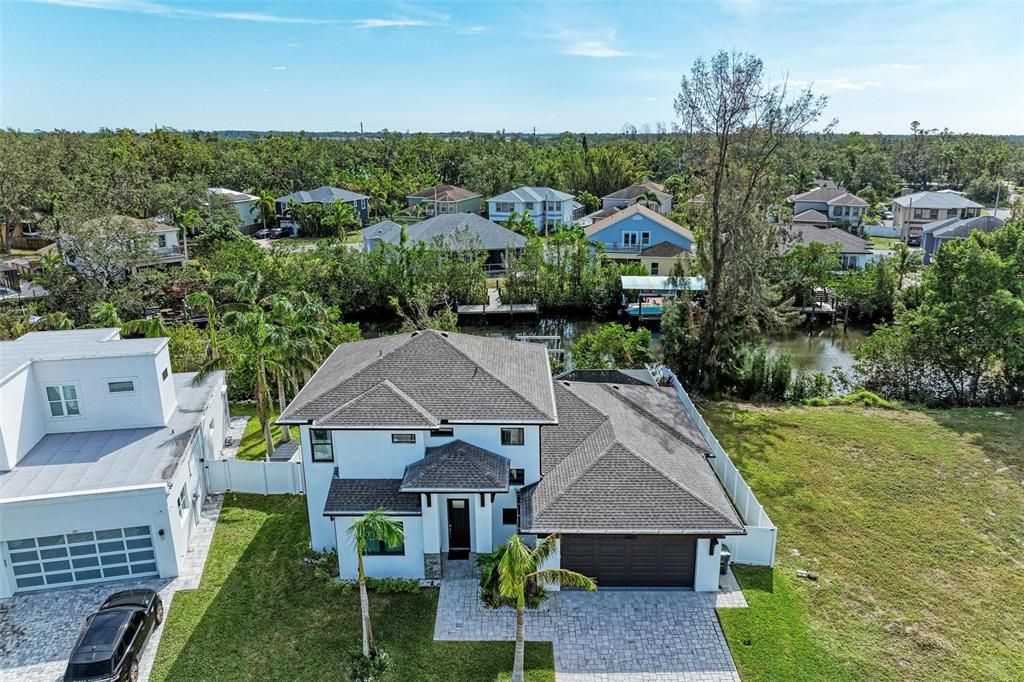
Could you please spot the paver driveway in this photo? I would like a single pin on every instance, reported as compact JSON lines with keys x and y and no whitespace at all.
{"x":608,"y":635}
{"x":38,"y":629}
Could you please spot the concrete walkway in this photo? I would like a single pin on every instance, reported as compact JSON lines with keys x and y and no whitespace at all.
{"x":38,"y":629}
{"x":608,"y":635}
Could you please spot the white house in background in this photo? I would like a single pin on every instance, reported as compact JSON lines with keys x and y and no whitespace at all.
{"x":911,"y":212}
{"x":244,"y":203}
{"x":549,"y":208}
{"x":650,"y":194}
{"x":466,"y":440}
{"x":824,"y":207}
{"x":165,"y":247}
{"x":101,"y":451}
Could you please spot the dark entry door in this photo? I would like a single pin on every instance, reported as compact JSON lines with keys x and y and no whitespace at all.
{"x":458,"y":525}
{"x":632,"y":560}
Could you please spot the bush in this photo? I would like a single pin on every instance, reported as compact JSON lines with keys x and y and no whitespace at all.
{"x":763,"y":376}
{"x":861,"y":396}
{"x":489,"y":594}
{"x":810,"y":385}
{"x":368,"y":668}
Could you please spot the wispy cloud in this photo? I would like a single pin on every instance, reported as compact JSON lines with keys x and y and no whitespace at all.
{"x":473,"y":30}
{"x":838,"y":84}
{"x":585,"y":45}
{"x":390,"y":23}
{"x":158,"y":9}
{"x":280,"y":68}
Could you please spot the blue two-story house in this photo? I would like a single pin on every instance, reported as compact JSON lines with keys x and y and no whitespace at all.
{"x":639,"y":234}
{"x":324,"y":196}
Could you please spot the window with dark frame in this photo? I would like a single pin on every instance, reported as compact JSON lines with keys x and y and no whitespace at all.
{"x":375,"y":547}
{"x":444,"y":432}
{"x":403,"y":437}
{"x":164,"y":374}
{"x":510,"y":516}
{"x":516,"y":476}
{"x":321,"y":446}
{"x":512,"y":435}
{"x":121,"y":386}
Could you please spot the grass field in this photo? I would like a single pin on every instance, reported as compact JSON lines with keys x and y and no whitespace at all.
{"x":883,"y":242}
{"x":260,"y":614}
{"x":253,"y":446}
{"x":914,"y":523}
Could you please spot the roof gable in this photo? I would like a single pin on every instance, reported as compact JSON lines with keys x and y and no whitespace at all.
{"x":457,"y":465}
{"x":532,"y":194}
{"x":641,"y":210}
{"x":444,"y":193}
{"x":383,"y":405}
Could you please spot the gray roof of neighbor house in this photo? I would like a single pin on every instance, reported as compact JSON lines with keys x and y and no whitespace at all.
{"x":624,"y":458}
{"x":81,"y":461}
{"x":831,"y":196}
{"x":935,"y":200}
{"x":810,"y":216}
{"x":444,"y":193}
{"x":322,"y":195}
{"x":457,"y":466}
{"x":638,"y":190}
{"x":848,"y":243}
{"x":448,"y":376}
{"x":532,"y":194}
{"x":356,"y":496}
{"x":232,"y":195}
{"x":663,"y":250}
{"x":456,"y":230}
{"x":953,"y":228}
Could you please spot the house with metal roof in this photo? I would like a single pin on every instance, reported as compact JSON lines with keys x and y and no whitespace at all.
{"x":323,"y":196}
{"x":101,"y":458}
{"x":441,"y":199}
{"x":911,"y":212}
{"x":549,"y":208}
{"x":941,"y":231}
{"x":243,"y":202}
{"x":650,"y":194}
{"x":466,"y":440}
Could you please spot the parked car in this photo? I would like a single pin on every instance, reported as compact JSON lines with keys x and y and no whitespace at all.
{"x":262,"y":233}
{"x":280,"y":233}
{"x":110,"y":645}
{"x":887,"y":215}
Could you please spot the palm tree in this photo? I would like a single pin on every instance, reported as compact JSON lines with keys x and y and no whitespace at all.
{"x":378,"y":527}
{"x":519,"y":565}
{"x":256,"y":332}
{"x":104,"y":314}
{"x":203,"y":301}
{"x":151,"y":327}
{"x":905,"y":261}
{"x":266,"y":204}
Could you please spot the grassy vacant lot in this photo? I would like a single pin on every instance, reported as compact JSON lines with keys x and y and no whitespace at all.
{"x":261,"y":614}
{"x":914,"y":522}
{"x":884,"y":242}
{"x":252,"y":445}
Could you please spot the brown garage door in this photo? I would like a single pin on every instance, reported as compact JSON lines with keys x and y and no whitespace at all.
{"x":632,"y":560}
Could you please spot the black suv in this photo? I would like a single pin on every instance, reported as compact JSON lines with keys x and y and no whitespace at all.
{"x":110,"y":645}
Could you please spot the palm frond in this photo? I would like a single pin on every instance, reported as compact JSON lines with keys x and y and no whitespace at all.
{"x":563,"y":577}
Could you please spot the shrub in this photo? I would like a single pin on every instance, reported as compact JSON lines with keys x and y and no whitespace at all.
{"x":368,"y":668}
{"x":763,"y":376}
{"x":489,"y":594}
{"x":810,"y":385}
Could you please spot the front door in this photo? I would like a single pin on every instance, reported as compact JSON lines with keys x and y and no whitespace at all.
{"x":458,"y":527}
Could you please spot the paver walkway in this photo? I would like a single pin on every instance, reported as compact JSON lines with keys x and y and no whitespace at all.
{"x":38,"y":629}
{"x":608,"y":635}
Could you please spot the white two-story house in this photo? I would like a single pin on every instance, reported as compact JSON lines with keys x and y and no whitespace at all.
{"x":549,"y":208}
{"x":827,"y":207}
{"x":101,"y":458}
{"x":466,"y":440}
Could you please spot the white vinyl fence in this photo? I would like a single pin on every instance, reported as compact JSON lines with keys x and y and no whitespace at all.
{"x":758,"y":545}
{"x":881,"y":231}
{"x":265,"y":478}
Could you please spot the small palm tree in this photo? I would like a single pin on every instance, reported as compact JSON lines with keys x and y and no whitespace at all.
{"x":905,"y":261}
{"x":521,"y":564}
{"x":104,"y":314}
{"x":202,"y":300}
{"x":151,"y":327}
{"x":266,"y":205}
{"x":372,"y":526}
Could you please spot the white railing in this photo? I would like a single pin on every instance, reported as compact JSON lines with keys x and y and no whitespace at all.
{"x":758,"y":545}
{"x":264,"y":478}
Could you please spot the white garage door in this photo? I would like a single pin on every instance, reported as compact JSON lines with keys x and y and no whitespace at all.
{"x":77,"y":558}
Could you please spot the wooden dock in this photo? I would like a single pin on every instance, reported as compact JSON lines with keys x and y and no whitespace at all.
{"x":494,"y":306}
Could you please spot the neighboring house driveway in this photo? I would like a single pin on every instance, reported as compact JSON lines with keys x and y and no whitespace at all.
{"x":38,"y":629}
{"x":608,"y":635}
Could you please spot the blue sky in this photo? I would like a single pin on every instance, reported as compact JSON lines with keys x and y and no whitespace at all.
{"x":246,"y":64}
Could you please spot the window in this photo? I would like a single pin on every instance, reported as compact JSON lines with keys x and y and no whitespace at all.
{"x":121,"y":386}
{"x":951,"y":213}
{"x":933,"y":214}
{"x":183,"y":500}
{"x":403,"y":437}
{"x":504,"y":207}
{"x":645,"y":238}
{"x":321,"y":446}
{"x":510,"y":516}
{"x":375,"y":547}
{"x":446,"y":432}
{"x":63,"y":400}
{"x":553,"y":206}
{"x":516,"y":476}
{"x":528,"y":206}
{"x":918,"y":213}
{"x":161,"y":241}
{"x":837,"y":211}
{"x":163,"y":374}
{"x":846,"y":210}
{"x":630,"y":239}
{"x":654,"y":268}
{"x":512,"y":436}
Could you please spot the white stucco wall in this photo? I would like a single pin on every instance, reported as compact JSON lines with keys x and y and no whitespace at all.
{"x":705,"y":575}
{"x":21,"y":417}
{"x":407,"y":565}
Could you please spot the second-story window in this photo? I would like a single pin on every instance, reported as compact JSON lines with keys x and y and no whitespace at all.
{"x":321,"y":446}
{"x":443,"y":432}
{"x":161,"y":241}
{"x":504,"y":207}
{"x":121,"y":386}
{"x":516,"y":476}
{"x":512,"y":436}
{"x":63,"y":400}
{"x":403,"y":437}
{"x":554,"y":206}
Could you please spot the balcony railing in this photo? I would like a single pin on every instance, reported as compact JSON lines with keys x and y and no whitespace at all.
{"x":168,"y":251}
{"x":617,"y":247}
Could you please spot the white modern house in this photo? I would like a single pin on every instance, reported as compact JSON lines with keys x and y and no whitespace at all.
{"x":549,"y":208}
{"x":101,"y":458}
{"x":466,"y":440}
{"x":245,"y":204}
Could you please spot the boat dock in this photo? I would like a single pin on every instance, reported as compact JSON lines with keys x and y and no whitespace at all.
{"x":494,"y":306}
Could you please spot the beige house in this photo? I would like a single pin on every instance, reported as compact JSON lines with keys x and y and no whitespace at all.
{"x":911,"y":212}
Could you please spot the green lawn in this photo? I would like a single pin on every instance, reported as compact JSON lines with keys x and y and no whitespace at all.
{"x":252,"y":445}
{"x":883,"y":242}
{"x":261,"y":614}
{"x":914,"y":522}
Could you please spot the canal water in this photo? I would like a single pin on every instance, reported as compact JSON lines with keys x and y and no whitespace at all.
{"x":819,"y":351}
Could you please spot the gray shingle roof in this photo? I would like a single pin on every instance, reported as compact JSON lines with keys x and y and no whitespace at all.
{"x":848,"y":243}
{"x":829,"y":195}
{"x":356,"y":496}
{"x":322,"y":195}
{"x":457,"y":466}
{"x":532,"y":194}
{"x":458,"y":377}
{"x":624,"y":458}
{"x":460,"y":231}
{"x":810,"y":216}
{"x":638,"y":190}
{"x":663,"y":250}
{"x":384,"y":406}
{"x":935,"y":200}
{"x":444,"y":193}
{"x":385,"y":230}
{"x":952,"y":228}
